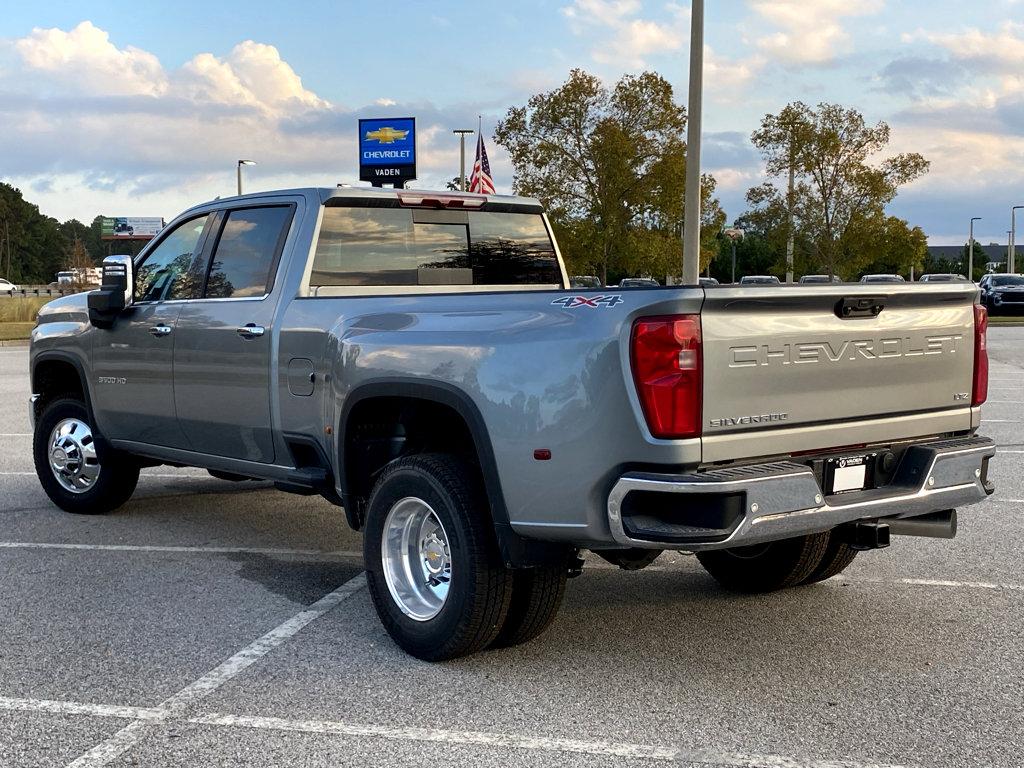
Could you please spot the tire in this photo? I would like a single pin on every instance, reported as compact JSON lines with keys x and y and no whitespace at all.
{"x":536,"y":597}
{"x":838,"y":555}
{"x":766,"y":567}
{"x":430,"y":612}
{"x":115,"y":475}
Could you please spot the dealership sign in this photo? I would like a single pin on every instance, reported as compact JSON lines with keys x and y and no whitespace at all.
{"x":130,"y":227}
{"x":387,"y":150}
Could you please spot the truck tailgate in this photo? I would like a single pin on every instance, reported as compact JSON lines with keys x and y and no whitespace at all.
{"x":786,"y":365}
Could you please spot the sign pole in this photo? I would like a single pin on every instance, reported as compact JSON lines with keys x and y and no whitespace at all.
{"x":691,"y":223}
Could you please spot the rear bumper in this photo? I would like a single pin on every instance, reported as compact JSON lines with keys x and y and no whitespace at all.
{"x":737,"y":506}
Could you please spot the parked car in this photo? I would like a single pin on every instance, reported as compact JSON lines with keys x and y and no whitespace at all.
{"x":882,"y":279}
{"x":760,"y":280}
{"x":638,"y":283}
{"x":941,"y":277}
{"x":484,"y":425}
{"x":706,"y":282}
{"x":1002,"y":292}
{"x":6,"y":285}
{"x":820,"y":279}
{"x":585,"y":281}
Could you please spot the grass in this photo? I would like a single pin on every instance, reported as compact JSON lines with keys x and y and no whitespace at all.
{"x":20,"y":309}
{"x":9,"y":331}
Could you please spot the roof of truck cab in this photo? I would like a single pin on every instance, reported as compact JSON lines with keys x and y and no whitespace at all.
{"x":369,"y":193}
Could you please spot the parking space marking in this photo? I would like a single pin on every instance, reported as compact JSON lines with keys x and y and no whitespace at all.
{"x":201,"y":549}
{"x":174,"y":706}
{"x":677,"y":756}
{"x":935,"y":583}
{"x":149,"y":718}
{"x":65,"y":708}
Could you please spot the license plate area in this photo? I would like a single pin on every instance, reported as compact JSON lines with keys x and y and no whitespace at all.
{"x":846,"y":474}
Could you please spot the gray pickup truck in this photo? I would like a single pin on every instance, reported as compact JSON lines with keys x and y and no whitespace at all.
{"x":419,"y":360}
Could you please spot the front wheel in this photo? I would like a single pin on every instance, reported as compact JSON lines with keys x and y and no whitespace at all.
{"x":77,"y":473}
{"x":768,"y":566}
{"x":433,"y":567}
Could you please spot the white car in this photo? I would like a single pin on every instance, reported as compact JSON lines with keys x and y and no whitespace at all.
{"x":6,"y":285}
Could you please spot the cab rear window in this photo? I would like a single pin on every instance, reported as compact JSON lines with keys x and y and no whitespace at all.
{"x":412,"y":247}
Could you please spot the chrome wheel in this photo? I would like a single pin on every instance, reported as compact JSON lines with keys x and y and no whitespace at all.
{"x":417,"y":559}
{"x":72,"y":455}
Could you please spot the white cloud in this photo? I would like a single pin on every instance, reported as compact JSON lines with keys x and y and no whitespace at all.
{"x":92,"y":127}
{"x":809,"y":32}
{"x":724,"y":76}
{"x":627,"y":40}
{"x":85,"y":58}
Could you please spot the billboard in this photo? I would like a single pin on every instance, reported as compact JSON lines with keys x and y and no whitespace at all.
{"x":387,"y":150}
{"x":131,"y":227}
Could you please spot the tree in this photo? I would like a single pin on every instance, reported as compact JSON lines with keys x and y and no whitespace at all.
{"x":36,"y":249}
{"x":839,"y":198}
{"x":609,"y":165}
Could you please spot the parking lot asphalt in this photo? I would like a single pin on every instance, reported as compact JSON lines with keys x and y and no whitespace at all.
{"x":208,"y":622}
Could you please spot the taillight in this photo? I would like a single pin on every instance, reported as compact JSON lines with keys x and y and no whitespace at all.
{"x":666,"y":358}
{"x":980,"y":394}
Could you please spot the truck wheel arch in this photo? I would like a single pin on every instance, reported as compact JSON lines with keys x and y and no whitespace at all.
{"x":378,"y":404}
{"x":431,"y":395}
{"x":55,"y":374}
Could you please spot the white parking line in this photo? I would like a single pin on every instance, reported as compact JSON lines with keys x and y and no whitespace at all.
{"x":211,"y":550}
{"x":935,"y":583}
{"x":148,"y":718}
{"x":65,"y":708}
{"x":677,"y":756}
{"x":174,"y":706}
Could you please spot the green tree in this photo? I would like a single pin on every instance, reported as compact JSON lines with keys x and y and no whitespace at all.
{"x":609,"y":165}
{"x":839,"y":196}
{"x":36,"y":247}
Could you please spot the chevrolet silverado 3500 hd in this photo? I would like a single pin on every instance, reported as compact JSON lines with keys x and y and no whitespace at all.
{"x":419,"y":359}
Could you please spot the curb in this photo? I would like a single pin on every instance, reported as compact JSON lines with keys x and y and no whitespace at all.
{"x":14,"y":343}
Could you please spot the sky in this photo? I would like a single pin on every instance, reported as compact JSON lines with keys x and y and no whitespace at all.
{"x":143,"y":109}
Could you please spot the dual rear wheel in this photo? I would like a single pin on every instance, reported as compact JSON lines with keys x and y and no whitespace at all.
{"x":435,"y":574}
{"x":776,"y":565}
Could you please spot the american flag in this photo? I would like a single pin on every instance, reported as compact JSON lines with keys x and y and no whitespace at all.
{"x":480,"y":180}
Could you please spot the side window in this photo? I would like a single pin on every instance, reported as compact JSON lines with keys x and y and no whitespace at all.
{"x":247,"y":250}
{"x":168,"y":271}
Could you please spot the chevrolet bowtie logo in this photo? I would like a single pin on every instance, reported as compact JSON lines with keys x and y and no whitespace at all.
{"x":386,"y":135}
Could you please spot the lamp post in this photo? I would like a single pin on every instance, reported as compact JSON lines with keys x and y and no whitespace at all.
{"x":1009,"y":241}
{"x":734,"y":234}
{"x":691,"y":220}
{"x":238,"y":171}
{"x":970,"y":249}
{"x":1011,"y":265}
{"x":462,"y":155}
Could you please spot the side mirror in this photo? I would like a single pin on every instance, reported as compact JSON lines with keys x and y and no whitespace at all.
{"x":114,"y":293}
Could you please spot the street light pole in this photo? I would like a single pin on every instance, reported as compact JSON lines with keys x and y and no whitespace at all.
{"x":462,"y":155}
{"x":734,"y":234}
{"x":691,"y":222}
{"x":238,"y":171}
{"x":970,"y":250}
{"x":1011,"y":265}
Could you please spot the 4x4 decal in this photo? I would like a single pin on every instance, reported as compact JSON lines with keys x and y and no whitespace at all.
{"x":601,"y":300}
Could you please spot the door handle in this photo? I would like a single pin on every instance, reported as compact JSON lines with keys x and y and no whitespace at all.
{"x":250,"y":331}
{"x":160,"y":330}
